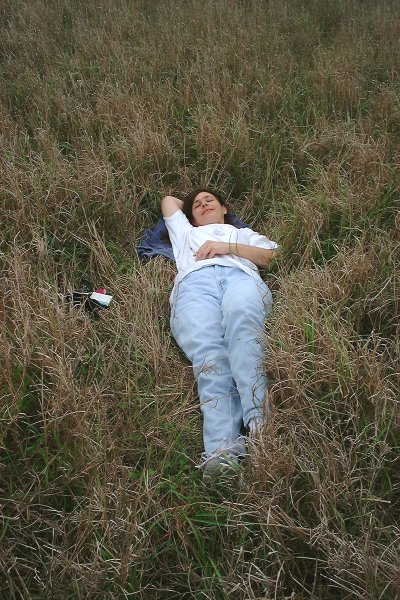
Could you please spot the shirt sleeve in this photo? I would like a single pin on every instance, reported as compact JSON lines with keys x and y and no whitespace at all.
{"x":252,"y":238}
{"x":178,"y":227}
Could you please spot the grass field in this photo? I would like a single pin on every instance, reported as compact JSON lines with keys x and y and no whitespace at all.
{"x":292,"y":109}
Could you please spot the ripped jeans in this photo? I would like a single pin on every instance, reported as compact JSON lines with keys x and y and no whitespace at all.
{"x":218,"y":321}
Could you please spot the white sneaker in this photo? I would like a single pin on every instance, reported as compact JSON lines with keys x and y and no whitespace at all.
{"x":219,"y":465}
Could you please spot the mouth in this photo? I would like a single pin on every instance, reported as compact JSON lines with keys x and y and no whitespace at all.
{"x":207,"y":210}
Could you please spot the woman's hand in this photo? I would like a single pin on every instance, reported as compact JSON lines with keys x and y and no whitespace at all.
{"x":210,"y":249}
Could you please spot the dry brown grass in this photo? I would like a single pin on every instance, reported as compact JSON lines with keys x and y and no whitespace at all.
{"x":292,"y":109}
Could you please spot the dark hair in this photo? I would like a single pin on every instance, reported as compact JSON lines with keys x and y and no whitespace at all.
{"x":190,"y":198}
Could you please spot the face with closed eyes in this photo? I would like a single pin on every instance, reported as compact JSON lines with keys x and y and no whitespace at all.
{"x":207,"y":209}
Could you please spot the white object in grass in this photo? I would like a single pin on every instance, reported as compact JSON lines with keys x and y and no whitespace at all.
{"x":103,"y":299}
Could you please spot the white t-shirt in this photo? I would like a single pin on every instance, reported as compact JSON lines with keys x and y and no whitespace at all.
{"x":186,"y":240}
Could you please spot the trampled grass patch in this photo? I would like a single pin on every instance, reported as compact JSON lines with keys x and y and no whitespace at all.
{"x":292,"y":110}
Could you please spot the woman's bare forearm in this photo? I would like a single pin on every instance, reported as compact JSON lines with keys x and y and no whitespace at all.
{"x":259,"y":256}
{"x":169,"y":205}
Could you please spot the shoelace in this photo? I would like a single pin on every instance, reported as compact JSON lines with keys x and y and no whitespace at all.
{"x":207,"y":456}
{"x":224,"y":453}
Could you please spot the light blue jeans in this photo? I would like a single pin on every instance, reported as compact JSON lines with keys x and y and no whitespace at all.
{"x":217,"y":320}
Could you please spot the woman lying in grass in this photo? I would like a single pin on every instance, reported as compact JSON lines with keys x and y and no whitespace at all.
{"x":218,"y":307}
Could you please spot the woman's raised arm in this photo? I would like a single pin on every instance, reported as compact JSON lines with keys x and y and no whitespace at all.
{"x":169,"y":205}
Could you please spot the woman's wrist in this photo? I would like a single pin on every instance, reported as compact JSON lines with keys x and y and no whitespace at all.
{"x":259,"y":256}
